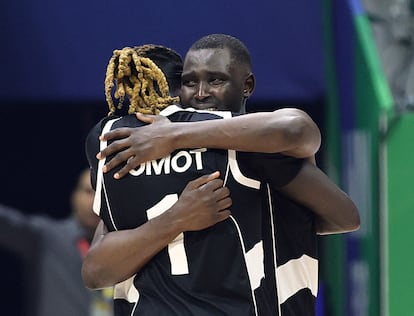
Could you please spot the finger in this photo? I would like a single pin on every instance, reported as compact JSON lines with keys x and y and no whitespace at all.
{"x":146,"y":118}
{"x":222,"y":215}
{"x":115,"y":147}
{"x":117,"y":133}
{"x":212,"y":185}
{"x":204,"y":179}
{"x":224,"y":203}
{"x":221,"y":193}
{"x":116,"y":160}
{"x":132,"y":163}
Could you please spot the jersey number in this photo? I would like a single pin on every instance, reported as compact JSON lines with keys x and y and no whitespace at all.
{"x":176,"y":249}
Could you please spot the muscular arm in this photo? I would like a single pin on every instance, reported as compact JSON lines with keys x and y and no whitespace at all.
{"x":289,"y":131}
{"x":335,"y":211}
{"x":203,"y":203}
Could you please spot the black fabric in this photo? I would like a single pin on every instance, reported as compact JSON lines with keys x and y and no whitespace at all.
{"x":218,"y":282}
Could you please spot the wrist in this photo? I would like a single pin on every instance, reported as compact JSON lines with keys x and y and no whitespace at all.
{"x":170,"y":223}
{"x":181,"y":136}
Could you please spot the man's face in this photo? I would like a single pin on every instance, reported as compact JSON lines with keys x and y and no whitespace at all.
{"x":82,"y":202}
{"x":211,"y":80}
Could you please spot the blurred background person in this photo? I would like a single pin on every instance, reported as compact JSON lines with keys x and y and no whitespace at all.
{"x":51,"y":251}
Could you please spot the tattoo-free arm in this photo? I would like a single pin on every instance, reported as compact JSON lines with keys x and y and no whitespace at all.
{"x":116,"y":256}
{"x":289,"y":131}
{"x":335,"y":211}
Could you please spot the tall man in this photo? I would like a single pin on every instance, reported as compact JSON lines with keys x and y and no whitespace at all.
{"x":276,"y":270}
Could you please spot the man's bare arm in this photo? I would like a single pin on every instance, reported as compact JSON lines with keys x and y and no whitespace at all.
{"x":203,"y":203}
{"x":335,"y":211}
{"x":289,"y":131}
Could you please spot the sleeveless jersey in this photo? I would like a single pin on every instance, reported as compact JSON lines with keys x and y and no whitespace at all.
{"x":260,"y":261}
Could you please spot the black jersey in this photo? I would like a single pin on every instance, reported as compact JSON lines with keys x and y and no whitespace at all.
{"x":240,"y":266}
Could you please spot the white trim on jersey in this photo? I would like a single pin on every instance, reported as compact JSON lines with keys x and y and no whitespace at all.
{"x":255,"y":264}
{"x":254,"y":258}
{"x":99,"y":178}
{"x":100,"y":182}
{"x":175,"y":108}
{"x":126,"y":290}
{"x":297,"y":274}
{"x":176,"y":249}
{"x":294,"y":275}
{"x":250,"y":267}
{"x":238,"y":176}
{"x":272,"y":223}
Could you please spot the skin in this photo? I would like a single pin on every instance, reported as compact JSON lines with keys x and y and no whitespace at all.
{"x":288,"y":131}
{"x":211,"y":80}
{"x":82,"y":201}
{"x":130,"y":250}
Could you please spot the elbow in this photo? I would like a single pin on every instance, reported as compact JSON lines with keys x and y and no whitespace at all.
{"x":351,"y":218}
{"x":348,"y":221}
{"x":354,"y":220}
{"x":92,"y":276}
{"x":303,"y":132}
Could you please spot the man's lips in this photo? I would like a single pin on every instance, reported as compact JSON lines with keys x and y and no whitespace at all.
{"x":205,"y":106}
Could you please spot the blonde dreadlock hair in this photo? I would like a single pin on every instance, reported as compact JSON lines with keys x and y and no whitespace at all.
{"x":135,"y":75}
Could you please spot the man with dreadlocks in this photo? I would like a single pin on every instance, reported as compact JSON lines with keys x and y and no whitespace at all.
{"x":141,"y":80}
{"x":202,"y":202}
{"x":176,"y":281}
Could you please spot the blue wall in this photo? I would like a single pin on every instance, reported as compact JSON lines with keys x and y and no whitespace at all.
{"x":58,"y":50}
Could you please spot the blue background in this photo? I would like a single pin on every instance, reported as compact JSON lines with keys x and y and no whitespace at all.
{"x":58,"y":50}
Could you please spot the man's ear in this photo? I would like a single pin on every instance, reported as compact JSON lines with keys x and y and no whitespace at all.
{"x":249,"y":85}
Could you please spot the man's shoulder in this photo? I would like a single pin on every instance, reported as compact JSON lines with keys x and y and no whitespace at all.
{"x":274,"y":168}
{"x":179,"y":114}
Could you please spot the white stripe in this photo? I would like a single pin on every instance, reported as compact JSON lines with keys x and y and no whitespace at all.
{"x":295,"y":275}
{"x":108,"y":205}
{"x":126,"y":290}
{"x":254,"y":258}
{"x":99,"y":178}
{"x":238,"y":176}
{"x":162,"y":206}
{"x":174,"y":108}
{"x":170,"y":110}
{"x":178,"y":256}
{"x":255,"y":265}
{"x":176,"y":249}
{"x":273,"y":226}
{"x":226,"y":177}
{"x":244,"y":251}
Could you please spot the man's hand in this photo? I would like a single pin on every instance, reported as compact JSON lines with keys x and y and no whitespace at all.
{"x":203,"y":203}
{"x":137,"y":145}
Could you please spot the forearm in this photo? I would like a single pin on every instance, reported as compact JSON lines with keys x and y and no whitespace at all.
{"x":345,"y":219}
{"x":116,"y":256}
{"x":288,"y":131}
{"x":335,"y":212}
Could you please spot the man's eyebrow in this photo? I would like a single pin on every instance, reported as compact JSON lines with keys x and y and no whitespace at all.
{"x":216,"y":73}
{"x":209,"y":73}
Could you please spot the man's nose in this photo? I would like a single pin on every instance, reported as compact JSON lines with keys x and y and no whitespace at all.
{"x":202,"y":91}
